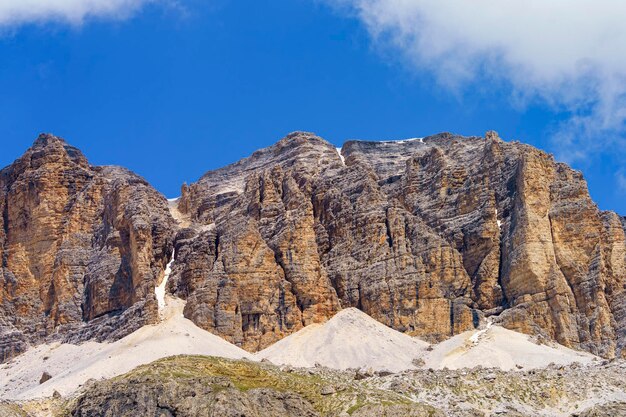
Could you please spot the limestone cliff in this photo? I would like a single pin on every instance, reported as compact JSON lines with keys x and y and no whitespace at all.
{"x":82,"y":248}
{"x":427,"y":236}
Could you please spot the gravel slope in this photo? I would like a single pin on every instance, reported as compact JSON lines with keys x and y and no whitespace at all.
{"x":351,"y":339}
{"x":72,"y":365}
{"x":497,"y":347}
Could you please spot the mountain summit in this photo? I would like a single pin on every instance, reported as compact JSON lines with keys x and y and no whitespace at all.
{"x":429,"y":236}
{"x":81,"y":247}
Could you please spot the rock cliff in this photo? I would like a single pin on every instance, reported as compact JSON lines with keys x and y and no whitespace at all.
{"x":428,"y":236}
{"x":82,"y":248}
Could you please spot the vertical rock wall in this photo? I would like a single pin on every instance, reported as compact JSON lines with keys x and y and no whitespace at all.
{"x":81,"y":247}
{"x":427,"y":236}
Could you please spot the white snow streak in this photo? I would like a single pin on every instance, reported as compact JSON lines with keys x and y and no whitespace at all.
{"x":420,"y":140}
{"x":343,"y":160}
{"x":476,"y":336}
{"x":159,"y":290}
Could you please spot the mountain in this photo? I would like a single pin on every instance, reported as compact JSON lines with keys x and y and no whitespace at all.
{"x":319,"y":257}
{"x":81,"y":247}
{"x":428,"y":236}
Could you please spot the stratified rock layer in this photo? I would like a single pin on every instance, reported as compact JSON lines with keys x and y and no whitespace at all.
{"x":427,"y":236}
{"x":82,"y":248}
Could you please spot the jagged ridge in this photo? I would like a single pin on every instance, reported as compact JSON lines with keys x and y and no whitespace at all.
{"x":427,"y":236}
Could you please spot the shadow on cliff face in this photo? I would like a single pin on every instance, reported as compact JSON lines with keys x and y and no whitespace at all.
{"x":429,"y":236}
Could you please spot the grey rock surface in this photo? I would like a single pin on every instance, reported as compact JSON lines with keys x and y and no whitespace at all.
{"x":428,"y":236}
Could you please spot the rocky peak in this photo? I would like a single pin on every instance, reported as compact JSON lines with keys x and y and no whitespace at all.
{"x":47,"y":150}
{"x":492,"y":136}
{"x":428,"y":236}
{"x":303,"y":154}
{"x":47,"y":143}
{"x":388,"y":159}
{"x":48,"y":139}
{"x":81,"y":248}
{"x":299,"y":138}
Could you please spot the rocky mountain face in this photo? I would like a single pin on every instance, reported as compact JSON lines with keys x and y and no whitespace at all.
{"x":82,"y":248}
{"x":428,"y":236}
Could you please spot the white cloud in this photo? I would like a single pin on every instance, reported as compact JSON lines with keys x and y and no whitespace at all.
{"x":568,"y":53}
{"x":620,"y":177}
{"x":17,"y":12}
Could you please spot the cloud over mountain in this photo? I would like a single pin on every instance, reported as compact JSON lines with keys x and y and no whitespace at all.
{"x":570,"y":54}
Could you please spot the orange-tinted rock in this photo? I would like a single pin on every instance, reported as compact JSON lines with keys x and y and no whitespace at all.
{"x":81,"y":247}
{"x":252,"y":272}
{"x":427,"y":236}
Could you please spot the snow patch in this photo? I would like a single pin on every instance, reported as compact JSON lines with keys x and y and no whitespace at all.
{"x":159,"y":290}
{"x":206,"y":227}
{"x":476,"y":336}
{"x":498,"y":220}
{"x":343,"y":160}
{"x":420,"y":140}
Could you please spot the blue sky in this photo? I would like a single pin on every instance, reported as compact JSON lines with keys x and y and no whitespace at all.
{"x":173,"y":90}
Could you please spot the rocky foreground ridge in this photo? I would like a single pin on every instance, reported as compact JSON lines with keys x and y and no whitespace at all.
{"x":428,"y":236}
{"x":186,"y":386}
